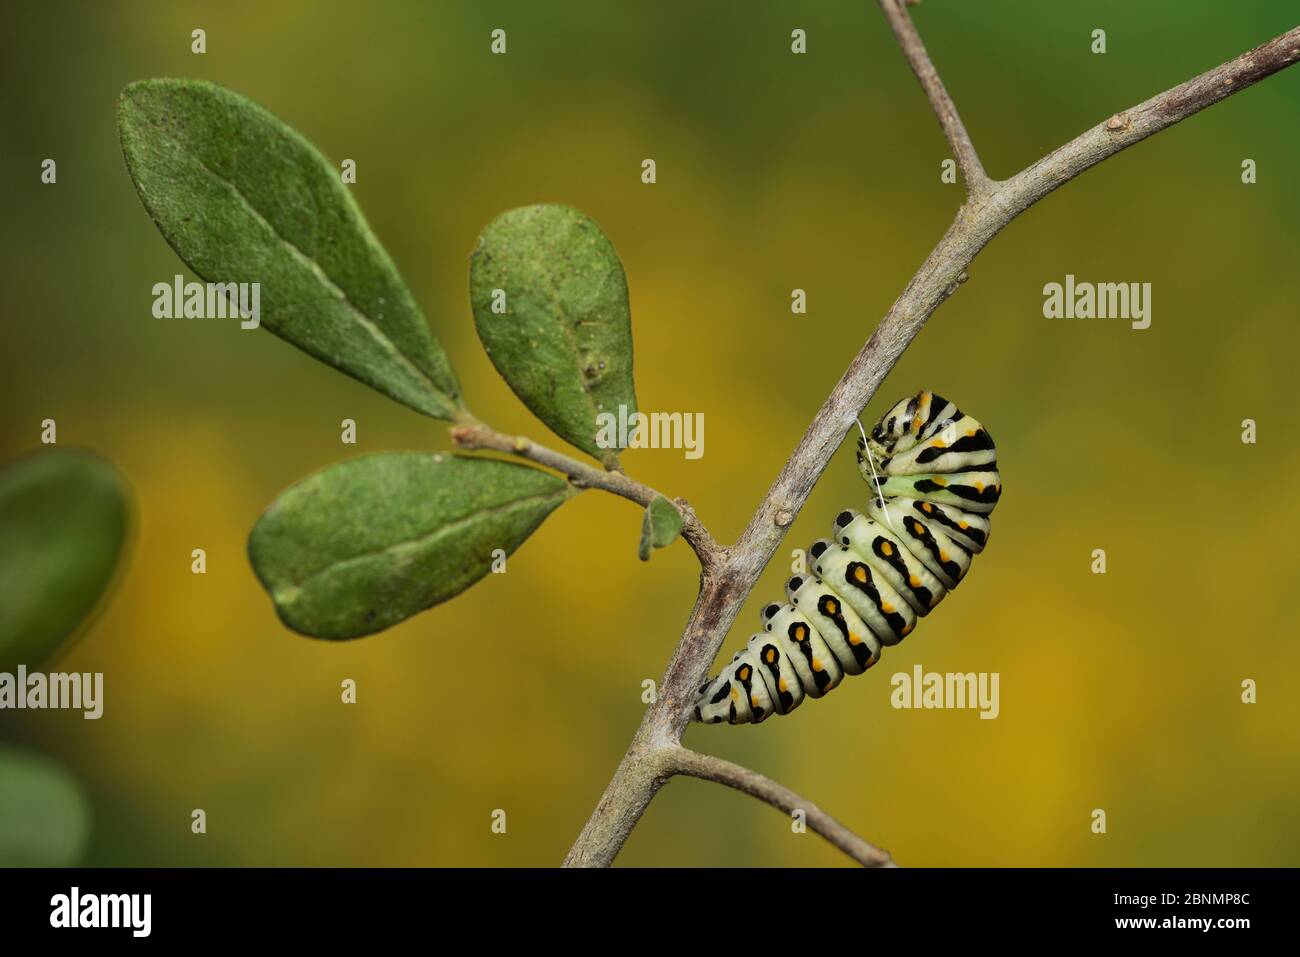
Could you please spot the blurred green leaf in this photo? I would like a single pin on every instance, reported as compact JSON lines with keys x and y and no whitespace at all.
{"x":62,"y":524}
{"x":661,"y":526}
{"x":364,"y":544}
{"x":241,"y":197}
{"x":44,"y":816}
{"x":562,"y":338}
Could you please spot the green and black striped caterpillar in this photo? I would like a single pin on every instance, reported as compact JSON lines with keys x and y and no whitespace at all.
{"x":934,"y":473}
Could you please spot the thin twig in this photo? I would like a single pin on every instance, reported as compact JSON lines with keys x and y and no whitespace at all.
{"x":972,"y":170}
{"x":478,"y":436}
{"x":1163,"y":110}
{"x":725,"y":586}
{"x":709,"y":768}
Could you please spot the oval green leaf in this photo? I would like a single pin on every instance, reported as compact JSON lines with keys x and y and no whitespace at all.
{"x":63,"y":516}
{"x":551,"y":307}
{"x":661,"y":526}
{"x":44,"y":816}
{"x":364,"y":544}
{"x":241,"y":197}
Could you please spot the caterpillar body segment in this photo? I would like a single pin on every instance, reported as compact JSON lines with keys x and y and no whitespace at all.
{"x":934,"y":481}
{"x":928,"y":542}
{"x":969,"y":491}
{"x":892,"y":559}
{"x":813,"y":661}
{"x":854,"y":645}
{"x":851,"y":576}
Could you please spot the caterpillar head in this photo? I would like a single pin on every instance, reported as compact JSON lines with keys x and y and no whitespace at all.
{"x":898,"y":431}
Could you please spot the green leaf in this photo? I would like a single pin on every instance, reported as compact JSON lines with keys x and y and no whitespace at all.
{"x":63,"y":516}
{"x":661,"y":526}
{"x":369,"y":542}
{"x":564,"y":340}
{"x":44,"y":816}
{"x":241,"y":197}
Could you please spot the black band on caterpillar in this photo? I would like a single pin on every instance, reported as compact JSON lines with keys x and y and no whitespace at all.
{"x":934,"y":479}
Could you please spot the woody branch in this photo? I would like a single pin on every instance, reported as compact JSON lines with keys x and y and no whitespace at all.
{"x":655,"y":754}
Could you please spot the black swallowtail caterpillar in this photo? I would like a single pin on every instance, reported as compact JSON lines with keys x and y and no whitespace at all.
{"x":935,"y":476}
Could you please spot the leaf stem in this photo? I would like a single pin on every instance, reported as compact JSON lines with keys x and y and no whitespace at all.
{"x":476,"y":435}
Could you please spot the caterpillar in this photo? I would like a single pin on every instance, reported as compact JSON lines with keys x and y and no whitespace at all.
{"x":934,"y":473}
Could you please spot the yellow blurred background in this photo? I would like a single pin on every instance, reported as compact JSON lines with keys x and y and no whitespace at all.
{"x":775,"y":171}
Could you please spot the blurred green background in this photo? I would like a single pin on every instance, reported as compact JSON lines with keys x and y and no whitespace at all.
{"x":775,"y":171}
